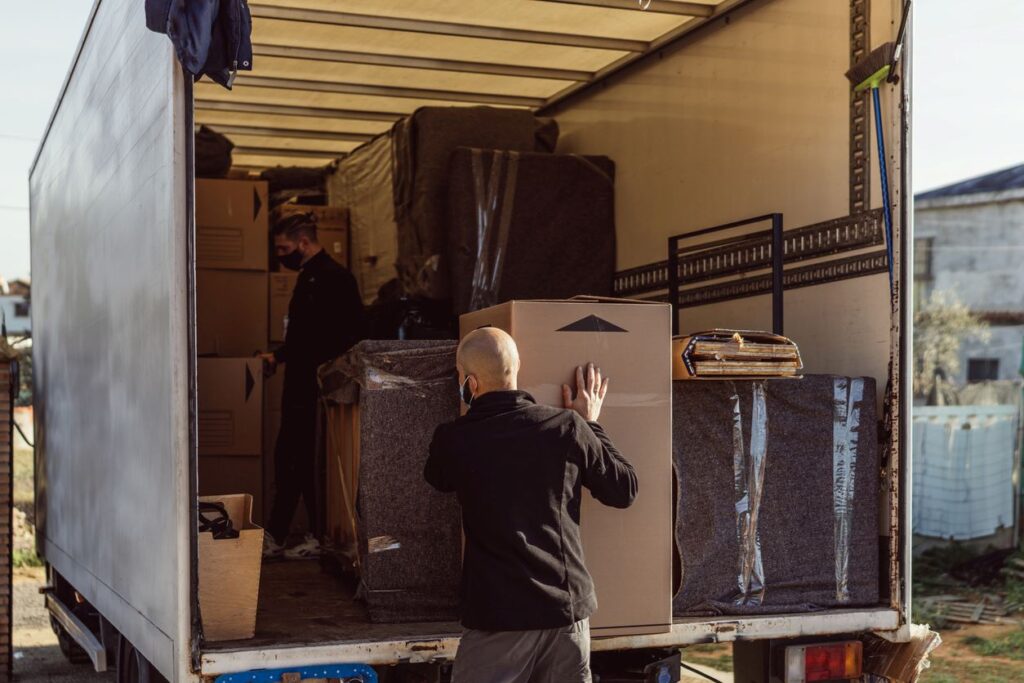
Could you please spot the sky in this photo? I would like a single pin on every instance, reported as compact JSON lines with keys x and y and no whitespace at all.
{"x":37,"y":42}
{"x":968,"y":99}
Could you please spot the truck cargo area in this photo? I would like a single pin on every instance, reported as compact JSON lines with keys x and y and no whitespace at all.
{"x":707,"y":155}
{"x":297,"y":110}
{"x":307,"y":616}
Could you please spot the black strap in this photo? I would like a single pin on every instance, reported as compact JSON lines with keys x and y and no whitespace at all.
{"x":220,"y":524}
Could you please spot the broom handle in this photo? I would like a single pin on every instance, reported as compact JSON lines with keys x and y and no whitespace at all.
{"x":886,"y":209}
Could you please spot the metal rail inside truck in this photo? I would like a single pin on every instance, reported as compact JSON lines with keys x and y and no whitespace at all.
{"x":713,"y":111}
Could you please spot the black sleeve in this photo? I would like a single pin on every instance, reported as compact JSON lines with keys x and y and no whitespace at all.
{"x":281,"y":353}
{"x":437,"y":471}
{"x":343,"y":316}
{"x":608,"y":475}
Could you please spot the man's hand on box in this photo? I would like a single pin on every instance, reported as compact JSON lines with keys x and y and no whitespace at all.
{"x":590,"y":392}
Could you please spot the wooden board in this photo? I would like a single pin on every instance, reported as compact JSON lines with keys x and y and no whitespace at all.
{"x":342,"y":472}
{"x":229,"y":574}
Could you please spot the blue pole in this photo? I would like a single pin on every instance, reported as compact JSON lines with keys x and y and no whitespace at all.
{"x":886,"y":208}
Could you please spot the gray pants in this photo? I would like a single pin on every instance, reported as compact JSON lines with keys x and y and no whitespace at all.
{"x":557,"y":655}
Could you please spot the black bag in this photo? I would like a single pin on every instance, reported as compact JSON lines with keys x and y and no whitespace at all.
{"x":213,"y":153}
{"x":219,"y":523}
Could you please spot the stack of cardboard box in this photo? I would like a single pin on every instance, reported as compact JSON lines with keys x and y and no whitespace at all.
{"x":242,"y":309}
{"x":231,"y":320}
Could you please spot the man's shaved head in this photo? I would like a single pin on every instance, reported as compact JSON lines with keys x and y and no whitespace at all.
{"x":489,"y":355}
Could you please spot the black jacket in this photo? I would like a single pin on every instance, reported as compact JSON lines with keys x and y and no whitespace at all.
{"x":325,"y":318}
{"x":211,"y":37}
{"x":518,"y":469}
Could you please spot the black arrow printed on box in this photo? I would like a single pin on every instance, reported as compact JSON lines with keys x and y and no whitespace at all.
{"x":591,"y":323}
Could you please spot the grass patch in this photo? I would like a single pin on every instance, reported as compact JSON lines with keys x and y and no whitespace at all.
{"x":955,"y":670}
{"x":24,"y":480}
{"x":25,"y":558}
{"x":718,"y":657}
{"x":1009,"y":645}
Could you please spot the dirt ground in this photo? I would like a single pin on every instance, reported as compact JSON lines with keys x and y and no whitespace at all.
{"x":37,"y":657}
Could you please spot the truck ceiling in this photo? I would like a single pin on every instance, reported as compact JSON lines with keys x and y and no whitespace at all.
{"x":324,"y":80}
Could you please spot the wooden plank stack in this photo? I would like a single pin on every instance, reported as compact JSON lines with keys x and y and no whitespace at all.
{"x":719,"y":354}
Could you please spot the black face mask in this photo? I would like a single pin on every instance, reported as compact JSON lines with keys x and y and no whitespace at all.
{"x":292,"y":260}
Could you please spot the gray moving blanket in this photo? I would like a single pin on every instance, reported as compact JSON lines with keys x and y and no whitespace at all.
{"x":396,"y":188}
{"x":778,"y":494}
{"x":410,"y":536}
{"x":423,"y":146}
{"x":524,"y":225}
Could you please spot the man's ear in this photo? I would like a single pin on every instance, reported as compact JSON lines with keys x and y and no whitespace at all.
{"x":474,"y":384}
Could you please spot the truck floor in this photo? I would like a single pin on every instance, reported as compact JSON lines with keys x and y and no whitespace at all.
{"x":301,"y":604}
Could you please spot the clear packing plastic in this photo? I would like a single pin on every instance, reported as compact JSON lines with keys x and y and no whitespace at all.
{"x":748,"y":471}
{"x":849,"y":394}
{"x":492,"y":225}
{"x":526,"y":225}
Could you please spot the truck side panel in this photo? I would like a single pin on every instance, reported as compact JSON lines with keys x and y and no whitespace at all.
{"x":110,"y":314}
{"x":742,"y":120}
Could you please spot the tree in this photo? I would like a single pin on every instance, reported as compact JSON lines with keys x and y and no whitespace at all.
{"x":941,"y":325}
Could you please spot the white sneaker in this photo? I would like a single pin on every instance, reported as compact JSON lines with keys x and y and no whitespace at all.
{"x":309,"y":549}
{"x":271,"y":549}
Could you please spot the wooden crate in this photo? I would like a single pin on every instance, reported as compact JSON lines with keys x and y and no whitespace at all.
{"x":229,"y":573}
{"x":342,"y":473}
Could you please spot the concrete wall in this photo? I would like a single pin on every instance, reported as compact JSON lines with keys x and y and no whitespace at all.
{"x":977,"y":253}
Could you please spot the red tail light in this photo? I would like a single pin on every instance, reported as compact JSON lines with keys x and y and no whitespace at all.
{"x":824,"y":662}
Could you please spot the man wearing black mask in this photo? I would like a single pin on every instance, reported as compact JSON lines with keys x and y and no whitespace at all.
{"x":325,"y":318}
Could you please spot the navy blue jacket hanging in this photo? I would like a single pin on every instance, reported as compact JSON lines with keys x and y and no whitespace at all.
{"x":211,"y":37}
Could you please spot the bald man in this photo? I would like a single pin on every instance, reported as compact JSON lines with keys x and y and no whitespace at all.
{"x":518,"y":469}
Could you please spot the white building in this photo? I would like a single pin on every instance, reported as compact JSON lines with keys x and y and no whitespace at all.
{"x":15,"y":309}
{"x":969,"y":239}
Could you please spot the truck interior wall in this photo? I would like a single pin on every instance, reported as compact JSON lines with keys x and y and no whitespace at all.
{"x":747,"y":117}
{"x":108,"y":196}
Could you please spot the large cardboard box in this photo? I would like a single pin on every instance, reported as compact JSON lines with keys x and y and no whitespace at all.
{"x":335,"y":243}
{"x":327,"y":217}
{"x":232,"y":230}
{"x":628,"y":552}
{"x":280,"y":295}
{"x":230,"y":406}
{"x":231,"y":312}
{"x":229,"y":573}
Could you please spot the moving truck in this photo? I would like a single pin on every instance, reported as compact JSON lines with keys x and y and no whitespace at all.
{"x":713,"y":110}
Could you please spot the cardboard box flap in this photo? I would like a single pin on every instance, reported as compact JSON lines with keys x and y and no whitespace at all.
{"x":589,"y":299}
